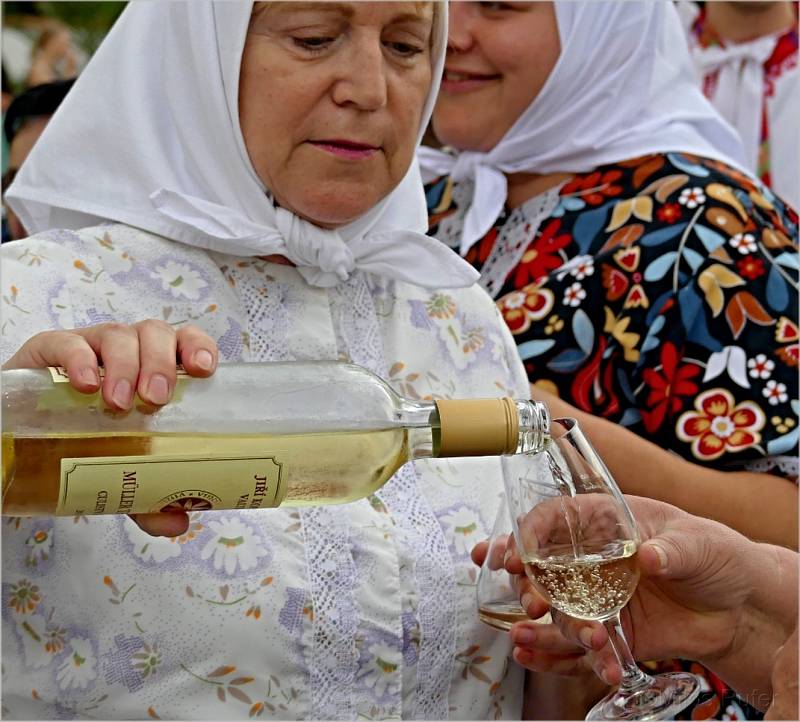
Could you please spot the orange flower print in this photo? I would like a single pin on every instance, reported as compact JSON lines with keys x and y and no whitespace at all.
{"x":24,"y":596}
{"x":521,"y":307}
{"x":720,"y":424}
{"x":441,"y":306}
{"x":54,"y":639}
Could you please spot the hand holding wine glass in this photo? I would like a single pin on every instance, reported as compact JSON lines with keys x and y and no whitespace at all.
{"x":578,"y":542}
{"x":706,"y":593}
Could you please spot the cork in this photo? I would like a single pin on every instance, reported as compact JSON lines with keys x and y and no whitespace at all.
{"x":478,"y":427}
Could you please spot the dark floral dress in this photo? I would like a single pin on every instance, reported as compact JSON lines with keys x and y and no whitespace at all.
{"x":660,"y":293}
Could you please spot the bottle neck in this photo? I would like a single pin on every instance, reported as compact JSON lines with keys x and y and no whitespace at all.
{"x":534,"y":427}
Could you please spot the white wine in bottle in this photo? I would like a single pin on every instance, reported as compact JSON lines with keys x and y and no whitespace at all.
{"x":252,"y":436}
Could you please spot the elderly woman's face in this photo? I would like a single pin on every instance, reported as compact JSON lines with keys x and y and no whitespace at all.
{"x":499,"y":56}
{"x":330,"y":101}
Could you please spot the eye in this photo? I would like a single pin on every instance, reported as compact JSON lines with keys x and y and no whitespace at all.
{"x":312,"y":44}
{"x":406,"y":50}
{"x":496,"y":6}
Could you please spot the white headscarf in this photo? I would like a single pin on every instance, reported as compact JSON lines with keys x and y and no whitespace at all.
{"x":739,"y":87}
{"x":150,"y":136}
{"x":623,"y":86}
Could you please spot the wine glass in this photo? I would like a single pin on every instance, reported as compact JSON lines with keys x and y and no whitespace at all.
{"x":498,"y":602}
{"x":578,"y":542}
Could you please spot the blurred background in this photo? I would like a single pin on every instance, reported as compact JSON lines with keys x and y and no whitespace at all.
{"x":63,"y":33}
{"x":45,"y":45}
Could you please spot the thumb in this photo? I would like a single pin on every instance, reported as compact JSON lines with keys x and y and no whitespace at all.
{"x":672,"y":554}
{"x":167,"y":524}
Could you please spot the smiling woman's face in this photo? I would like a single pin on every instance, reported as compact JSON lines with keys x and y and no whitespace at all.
{"x":499,"y":56}
{"x":330,"y":101}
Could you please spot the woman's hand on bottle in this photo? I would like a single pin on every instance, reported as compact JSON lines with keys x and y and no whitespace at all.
{"x":138,"y":359}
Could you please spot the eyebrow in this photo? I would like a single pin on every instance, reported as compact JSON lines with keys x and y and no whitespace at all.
{"x":315,"y":6}
{"x":345,"y":9}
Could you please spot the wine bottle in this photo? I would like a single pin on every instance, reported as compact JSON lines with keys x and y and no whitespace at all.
{"x":252,"y":436}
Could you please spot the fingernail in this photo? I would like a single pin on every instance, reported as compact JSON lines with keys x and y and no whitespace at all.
{"x":158,"y":389}
{"x":524,"y":636}
{"x":122,"y":393}
{"x":585,"y":637}
{"x":89,"y":376}
{"x":204,"y":360}
{"x":662,"y":556}
{"x":604,"y":676}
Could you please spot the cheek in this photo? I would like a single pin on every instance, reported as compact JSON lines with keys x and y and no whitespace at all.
{"x":272,"y":112}
{"x":527,"y":64}
{"x":406,"y":112}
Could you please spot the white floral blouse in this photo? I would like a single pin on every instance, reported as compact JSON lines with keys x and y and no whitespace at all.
{"x":344,"y":612}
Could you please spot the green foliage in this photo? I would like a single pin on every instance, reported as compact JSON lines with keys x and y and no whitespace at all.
{"x":90,"y":20}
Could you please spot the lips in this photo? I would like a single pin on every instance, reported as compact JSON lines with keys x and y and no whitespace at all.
{"x":457,"y":80}
{"x":343,"y":148}
{"x":462,"y":75}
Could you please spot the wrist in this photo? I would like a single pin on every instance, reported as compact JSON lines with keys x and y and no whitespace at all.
{"x":775,"y":594}
{"x":765,"y":619}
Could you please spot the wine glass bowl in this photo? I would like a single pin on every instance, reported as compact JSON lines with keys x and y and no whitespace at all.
{"x":498,"y":601}
{"x":578,"y":541}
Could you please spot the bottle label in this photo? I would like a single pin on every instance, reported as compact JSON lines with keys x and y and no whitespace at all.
{"x":141,"y":484}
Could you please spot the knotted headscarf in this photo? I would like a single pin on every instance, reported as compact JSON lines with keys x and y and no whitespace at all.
{"x":623,"y":87}
{"x":150,"y":136}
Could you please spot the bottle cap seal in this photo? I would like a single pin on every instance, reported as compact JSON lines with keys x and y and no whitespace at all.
{"x":478,"y":427}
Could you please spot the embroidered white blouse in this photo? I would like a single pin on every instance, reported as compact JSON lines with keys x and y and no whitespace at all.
{"x":358,"y":611}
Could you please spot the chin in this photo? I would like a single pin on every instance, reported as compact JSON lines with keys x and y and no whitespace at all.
{"x":332,"y":210}
{"x":461,"y":138}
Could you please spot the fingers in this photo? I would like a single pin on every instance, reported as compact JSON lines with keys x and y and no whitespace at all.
{"x":158,"y":345}
{"x":118,"y":346}
{"x":534,"y":604}
{"x":512,"y":560}
{"x":546,"y":648}
{"x":674,"y":555}
{"x":197,"y":351}
{"x":592,"y":638}
{"x":545,"y":638}
{"x":540,"y":662}
{"x":163,"y":524}
{"x":60,"y":348}
{"x":542,"y":648}
{"x":142,"y":359}
{"x":478,"y":553}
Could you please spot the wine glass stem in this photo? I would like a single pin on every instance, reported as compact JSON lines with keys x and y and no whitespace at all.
{"x":632,"y":677}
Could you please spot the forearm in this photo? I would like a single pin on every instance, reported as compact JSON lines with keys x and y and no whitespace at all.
{"x":763,"y":507}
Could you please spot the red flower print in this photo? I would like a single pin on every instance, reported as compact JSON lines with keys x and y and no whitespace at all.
{"x":481,"y":250}
{"x":720,"y":424}
{"x":594,"y":188}
{"x":667,"y":386}
{"x":751,"y":267}
{"x":669,"y":213}
{"x":520,"y":308}
{"x":542,"y":254}
{"x":790,"y":355}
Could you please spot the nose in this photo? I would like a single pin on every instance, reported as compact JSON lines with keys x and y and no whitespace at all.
{"x":460,"y":38}
{"x":362,"y":81}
